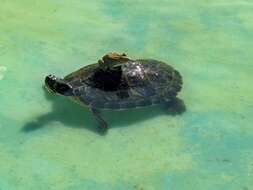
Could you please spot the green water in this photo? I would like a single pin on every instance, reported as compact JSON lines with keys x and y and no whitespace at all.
{"x":48,"y":142}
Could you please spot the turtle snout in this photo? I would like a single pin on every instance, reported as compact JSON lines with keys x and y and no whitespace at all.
{"x":50,"y":81}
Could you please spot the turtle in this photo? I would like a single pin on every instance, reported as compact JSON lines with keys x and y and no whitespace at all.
{"x":117,"y":82}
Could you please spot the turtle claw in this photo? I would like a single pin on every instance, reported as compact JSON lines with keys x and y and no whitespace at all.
{"x":103,"y":127}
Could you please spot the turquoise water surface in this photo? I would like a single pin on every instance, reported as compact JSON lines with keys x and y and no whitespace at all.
{"x":48,"y":142}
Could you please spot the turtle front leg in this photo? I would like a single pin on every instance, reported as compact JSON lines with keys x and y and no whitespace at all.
{"x":102,"y":123}
{"x":175,"y":106}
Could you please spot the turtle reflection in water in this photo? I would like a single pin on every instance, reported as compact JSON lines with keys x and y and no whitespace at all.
{"x":118,"y":82}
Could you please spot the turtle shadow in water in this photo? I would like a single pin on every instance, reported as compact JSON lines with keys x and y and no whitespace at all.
{"x":76,"y":116}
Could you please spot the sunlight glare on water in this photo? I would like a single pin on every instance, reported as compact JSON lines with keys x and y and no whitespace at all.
{"x":2,"y":72}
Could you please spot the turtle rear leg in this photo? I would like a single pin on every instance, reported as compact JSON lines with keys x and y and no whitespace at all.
{"x":102,"y":123}
{"x":174,"y":106}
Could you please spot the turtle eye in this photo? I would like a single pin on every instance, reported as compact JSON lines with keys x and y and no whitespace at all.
{"x":50,"y":80}
{"x":51,"y":77}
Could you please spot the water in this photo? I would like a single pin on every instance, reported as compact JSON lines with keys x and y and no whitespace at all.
{"x":48,"y":142}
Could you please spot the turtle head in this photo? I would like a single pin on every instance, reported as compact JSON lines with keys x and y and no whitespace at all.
{"x":112,"y":60}
{"x":57,"y":86}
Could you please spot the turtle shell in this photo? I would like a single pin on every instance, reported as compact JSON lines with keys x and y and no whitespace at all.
{"x":136,"y":83}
